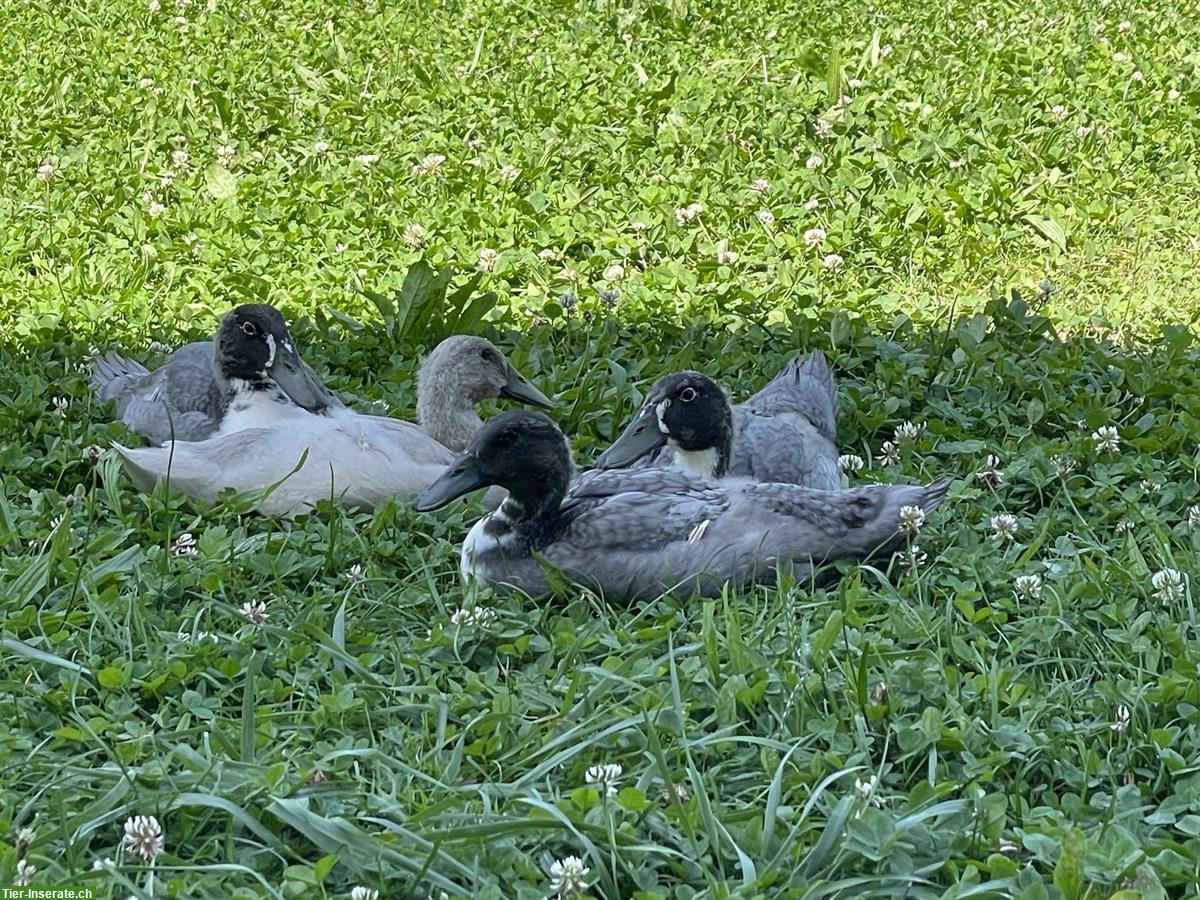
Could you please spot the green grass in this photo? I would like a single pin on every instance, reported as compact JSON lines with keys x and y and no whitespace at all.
{"x":454,"y":756}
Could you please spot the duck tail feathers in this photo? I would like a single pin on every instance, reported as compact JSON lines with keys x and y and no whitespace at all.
{"x":110,"y":373}
{"x":807,"y":386}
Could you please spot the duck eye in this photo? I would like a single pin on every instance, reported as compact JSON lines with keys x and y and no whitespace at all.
{"x":249,"y":329}
{"x":687,"y":395}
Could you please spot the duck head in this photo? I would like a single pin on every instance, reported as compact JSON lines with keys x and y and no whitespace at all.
{"x":478,"y":370}
{"x":253,"y":345}
{"x":522,"y":451}
{"x":689,"y":413}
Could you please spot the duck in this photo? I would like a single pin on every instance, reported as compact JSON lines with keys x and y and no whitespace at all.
{"x":267,"y":442}
{"x":184,"y":398}
{"x":633,"y":535}
{"x":786,"y":433}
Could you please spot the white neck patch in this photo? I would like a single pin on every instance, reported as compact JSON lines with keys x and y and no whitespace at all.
{"x":698,"y":462}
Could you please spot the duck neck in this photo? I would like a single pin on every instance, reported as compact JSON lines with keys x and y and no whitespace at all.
{"x":530,"y":508}
{"x":710,"y":463}
{"x":446,"y":414}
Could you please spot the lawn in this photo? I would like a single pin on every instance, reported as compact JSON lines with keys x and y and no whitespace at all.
{"x":986,"y":215}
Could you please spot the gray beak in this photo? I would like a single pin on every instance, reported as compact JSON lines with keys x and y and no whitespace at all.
{"x":641,"y":436}
{"x":461,"y":477}
{"x":517,"y":387}
{"x":300,"y":382}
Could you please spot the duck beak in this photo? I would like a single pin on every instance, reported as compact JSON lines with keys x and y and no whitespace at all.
{"x":298,"y":381}
{"x":462,"y":477}
{"x":517,"y":387}
{"x":640,"y":437}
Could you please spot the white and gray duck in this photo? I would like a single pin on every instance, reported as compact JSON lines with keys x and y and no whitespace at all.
{"x":635,"y":534}
{"x":185,"y":399}
{"x":266,"y":440}
{"x":785,"y":433}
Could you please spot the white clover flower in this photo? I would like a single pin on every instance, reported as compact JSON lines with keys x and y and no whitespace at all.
{"x":480,"y":616}
{"x":254,"y":612}
{"x":45,"y":172}
{"x":568,"y":274}
{"x":1193,"y":516}
{"x":823,"y":128}
{"x":225,"y":154}
{"x":358,"y":892}
{"x":1063,"y":465}
{"x":1124,"y":525}
{"x":59,"y":406}
{"x":1107,"y":439}
{"x":320,"y":146}
{"x":548,"y":254}
{"x":981,"y":24}
{"x":1124,"y":26}
{"x":848,"y":462}
{"x":429,"y":165}
{"x":105,"y":863}
{"x":1059,"y":112}
{"x":813,"y":162}
{"x":154,"y":6}
{"x":886,"y":50}
{"x":92,"y":453}
{"x":179,"y":159}
{"x":1083,"y":131}
{"x":765,"y":216}
{"x":638,"y":226}
{"x":1173,"y":94}
{"x":911,"y":519}
{"x":889,"y":454}
{"x":568,"y":877}
{"x":355,"y":574}
{"x":156,"y":209}
{"x":687,"y":214}
{"x":991,"y":472}
{"x":725,"y":256}
{"x":814,"y":237}
{"x":1138,"y":76}
{"x":184,"y":544}
{"x":1004,"y":527}
{"x":760,"y":186}
{"x":913,"y":557}
{"x":1121,"y":722}
{"x":1168,"y":585}
{"x":867,"y":790}
{"x":833,"y":261}
{"x":604,"y":777}
{"x":25,"y":872}
{"x":143,"y":837}
{"x":509,"y":173}
{"x":1120,"y":57}
{"x":488,"y":257}
{"x":1028,"y":587}
{"x":473,"y":143}
{"x":414,"y":235}
{"x":908,"y":431}
{"x":615,"y":272}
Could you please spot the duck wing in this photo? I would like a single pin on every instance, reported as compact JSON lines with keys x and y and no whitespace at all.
{"x":787,"y":432}
{"x":179,"y":400}
{"x":636,"y":534}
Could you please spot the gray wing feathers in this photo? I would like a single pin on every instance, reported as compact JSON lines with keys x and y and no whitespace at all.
{"x":638,"y":533}
{"x":179,"y":400}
